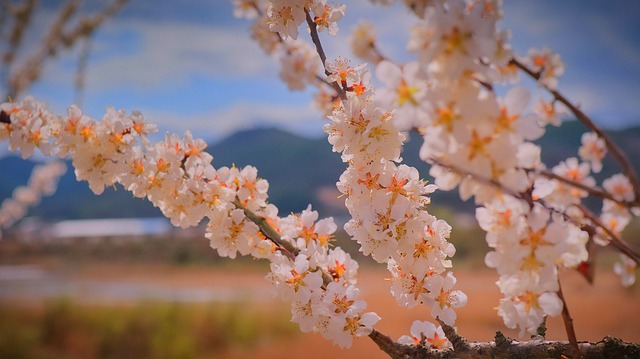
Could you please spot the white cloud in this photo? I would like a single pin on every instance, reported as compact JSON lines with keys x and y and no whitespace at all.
{"x":215,"y":125}
{"x":173,"y":52}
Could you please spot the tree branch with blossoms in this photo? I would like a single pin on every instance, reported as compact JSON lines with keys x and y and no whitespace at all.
{"x":590,"y":124}
{"x":475,"y":141}
{"x":598,"y":192}
{"x":18,"y":78}
{"x":406,"y":93}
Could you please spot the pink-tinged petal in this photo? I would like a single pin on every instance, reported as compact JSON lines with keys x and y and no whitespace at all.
{"x":388,"y":73}
{"x":529,"y":128}
{"x":516,"y":100}
{"x":550,"y":303}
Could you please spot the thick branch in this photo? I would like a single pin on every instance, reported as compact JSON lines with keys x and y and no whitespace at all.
{"x":503,"y":347}
{"x":586,"y":120}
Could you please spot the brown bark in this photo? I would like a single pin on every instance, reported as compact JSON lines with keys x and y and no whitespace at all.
{"x":503,"y":347}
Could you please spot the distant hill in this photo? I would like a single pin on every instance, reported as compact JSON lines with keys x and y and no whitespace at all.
{"x":300,"y":171}
{"x":294,"y":166}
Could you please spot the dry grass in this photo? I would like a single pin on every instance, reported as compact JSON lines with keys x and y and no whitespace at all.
{"x":602,"y":309}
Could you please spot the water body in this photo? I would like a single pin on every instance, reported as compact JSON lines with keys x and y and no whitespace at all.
{"x":34,"y":283}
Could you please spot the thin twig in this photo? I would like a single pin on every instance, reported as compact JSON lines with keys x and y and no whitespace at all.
{"x":614,"y":239}
{"x":488,"y":181}
{"x":568,"y":324}
{"x":57,"y":38}
{"x":81,"y":71}
{"x":592,"y":190}
{"x":313,"y":30}
{"x":265,"y":228}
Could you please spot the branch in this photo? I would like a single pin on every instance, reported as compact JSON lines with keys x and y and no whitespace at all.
{"x":265,"y":228}
{"x":586,"y":120}
{"x":81,"y":71}
{"x":592,"y":190}
{"x":503,"y":347}
{"x":568,"y":324}
{"x":55,"y":38}
{"x":313,"y":30}
{"x":31,"y":68}
{"x":488,"y":181}
{"x":22,"y":14}
{"x":614,"y":240}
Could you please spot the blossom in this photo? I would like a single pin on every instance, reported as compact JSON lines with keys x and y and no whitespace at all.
{"x":526,"y":311}
{"x":285,"y":16}
{"x":503,"y":219}
{"x":427,"y":334}
{"x":342,"y":332}
{"x":560,"y":195}
{"x":592,"y":150}
{"x":512,"y":120}
{"x":626,"y":269}
{"x":405,"y":91}
{"x":247,"y":9}
{"x":443,"y":299}
{"x":547,"y":64}
{"x":619,"y":187}
{"x":295,"y":281}
{"x":42,"y":182}
{"x":299,"y":64}
{"x":340,"y":71}
{"x":327,"y":16}
{"x":31,"y":127}
{"x":363,"y":42}
{"x":547,"y":112}
{"x":229,"y":232}
{"x":261,"y":33}
{"x":453,"y":38}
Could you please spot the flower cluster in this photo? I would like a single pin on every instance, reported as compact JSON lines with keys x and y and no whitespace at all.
{"x":275,"y":28}
{"x":528,"y":244}
{"x":426,"y":334}
{"x":481,"y":143}
{"x":387,"y":200}
{"x":43,"y":182}
{"x":321,"y":282}
{"x":474,"y":139}
{"x":176,"y":175}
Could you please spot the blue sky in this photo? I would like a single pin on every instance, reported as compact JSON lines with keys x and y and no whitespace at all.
{"x":191,"y":64}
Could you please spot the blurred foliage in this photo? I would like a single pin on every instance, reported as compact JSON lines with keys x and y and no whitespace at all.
{"x":165,"y":250}
{"x":64,"y":329}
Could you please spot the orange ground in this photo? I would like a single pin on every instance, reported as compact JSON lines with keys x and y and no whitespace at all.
{"x":599,"y":310}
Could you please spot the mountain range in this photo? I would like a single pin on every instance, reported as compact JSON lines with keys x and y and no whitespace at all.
{"x":300,"y":171}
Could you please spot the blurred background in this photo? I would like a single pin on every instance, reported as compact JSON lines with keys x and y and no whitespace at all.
{"x":84,"y":276}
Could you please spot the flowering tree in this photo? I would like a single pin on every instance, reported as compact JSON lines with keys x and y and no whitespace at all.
{"x":18,"y":73}
{"x":474,"y":139}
